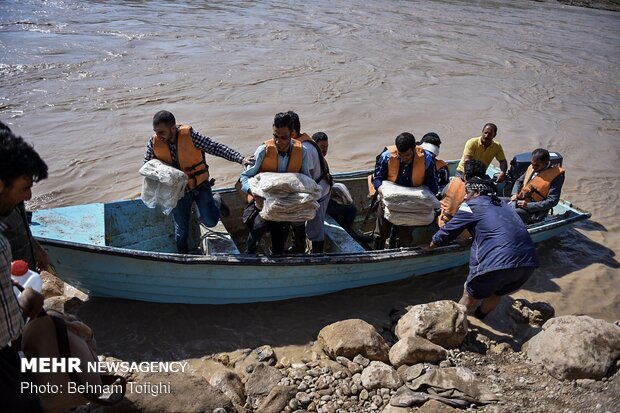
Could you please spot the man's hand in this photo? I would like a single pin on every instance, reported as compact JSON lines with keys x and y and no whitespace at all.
{"x":522,"y":204}
{"x":501,"y":177}
{"x":248,"y":160}
{"x":429,"y":247}
{"x":260,"y":202}
{"x":513,"y":198}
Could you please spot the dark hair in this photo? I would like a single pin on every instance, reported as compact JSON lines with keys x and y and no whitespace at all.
{"x":541,"y":154}
{"x":18,"y":158}
{"x":474,"y":169}
{"x":483,"y":187}
{"x":165,"y":117}
{"x":319,"y":137}
{"x":296,"y":122}
{"x":405,"y":141}
{"x":4,"y":127}
{"x":492,"y":125}
{"x":283,"y":120}
{"x":431,"y":138}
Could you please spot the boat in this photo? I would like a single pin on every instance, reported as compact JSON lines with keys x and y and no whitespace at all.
{"x":123,"y":249}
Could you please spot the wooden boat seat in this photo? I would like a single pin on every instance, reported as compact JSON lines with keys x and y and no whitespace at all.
{"x":217,"y":240}
{"x":339,"y":239}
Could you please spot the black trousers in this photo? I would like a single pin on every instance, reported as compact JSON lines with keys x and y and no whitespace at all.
{"x":12,"y":399}
{"x":258,"y":227}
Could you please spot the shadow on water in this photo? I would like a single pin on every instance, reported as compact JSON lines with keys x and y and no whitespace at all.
{"x":134,"y":330}
{"x":568,"y":253}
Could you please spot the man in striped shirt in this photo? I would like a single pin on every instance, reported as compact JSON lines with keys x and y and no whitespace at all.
{"x":181,"y":147}
{"x":20,"y":166}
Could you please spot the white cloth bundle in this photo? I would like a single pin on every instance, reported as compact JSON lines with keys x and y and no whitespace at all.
{"x":340,"y":194}
{"x":408,"y":206}
{"x":289,"y":197}
{"x":163,"y":185}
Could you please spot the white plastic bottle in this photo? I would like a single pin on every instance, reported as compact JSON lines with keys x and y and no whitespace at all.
{"x":25,"y":277}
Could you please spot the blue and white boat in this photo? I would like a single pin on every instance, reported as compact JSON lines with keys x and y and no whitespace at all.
{"x":124,"y":249}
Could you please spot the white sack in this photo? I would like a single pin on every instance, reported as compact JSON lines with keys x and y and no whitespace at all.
{"x":418,"y":199}
{"x":289,"y":197}
{"x":408,"y":218}
{"x":163,"y":185}
{"x":340,"y":193}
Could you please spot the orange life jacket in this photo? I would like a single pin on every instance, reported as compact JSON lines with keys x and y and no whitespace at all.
{"x":455,"y":194}
{"x":537,"y":189}
{"x":417,"y":172}
{"x":324,"y":166}
{"x":270,"y":162}
{"x":191,"y":159}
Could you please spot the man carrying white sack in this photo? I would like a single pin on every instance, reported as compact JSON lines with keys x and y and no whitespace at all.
{"x":280,"y":154}
{"x":407,"y":165}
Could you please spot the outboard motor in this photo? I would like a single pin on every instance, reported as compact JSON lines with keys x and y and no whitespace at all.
{"x":518,"y":166}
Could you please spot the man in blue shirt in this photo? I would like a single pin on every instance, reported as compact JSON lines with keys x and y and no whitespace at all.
{"x":503,"y":256}
{"x":407,"y":165}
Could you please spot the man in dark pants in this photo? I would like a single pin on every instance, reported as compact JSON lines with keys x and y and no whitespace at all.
{"x":20,"y":166}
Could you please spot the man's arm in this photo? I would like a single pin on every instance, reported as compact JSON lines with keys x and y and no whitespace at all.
{"x":463,"y":219}
{"x":430,"y":173}
{"x":211,"y":147}
{"x":517,"y":187}
{"x":552,"y":198}
{"x":149,"y":151}
{"x":252,"y":170}
{"x":503,"y":164}
{"x":381,"y":169}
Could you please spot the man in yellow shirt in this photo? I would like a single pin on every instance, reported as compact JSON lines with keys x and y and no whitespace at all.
{"x":484,"y":149}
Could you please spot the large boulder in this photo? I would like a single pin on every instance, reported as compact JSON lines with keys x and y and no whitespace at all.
{"x":349,"y":338}
{"x":575,"y":347}
{"x":261,"y":381}
{"x":441,"y":322}
{"x":414,"y":350}
{"x":230,"y":384}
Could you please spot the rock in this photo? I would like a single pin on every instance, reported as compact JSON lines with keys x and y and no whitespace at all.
{"x":536,"y":313}
{"x":379,"y":374}
{"x":441,"y":322}
{"x":413,"y":350}
{"x":434,"y":406}
{"x":52,"y":285}
{"x":262,"y":380}
{"x":349,"y":338}
{"x":575,"y":347}
{"x":361,"y":360}
{"x":277,"y":399}
{"x":264,"y":353}
{"x":408,"y":373}
{"x":230,"y":384}
{"x":335,"y":367}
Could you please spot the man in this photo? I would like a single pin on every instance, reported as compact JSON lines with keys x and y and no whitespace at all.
{"x":484,"y":148}
{"x":23,"y":245}
{"x":538,"y":189}
{"x":343,"y":214}
{"x":20,"y":166}
{"x":454,"y":193}
{"x":404,"y":164}
{"x":503,"y":256}
{"x":431,"y":142}
{"x":282,"y":153}
{"x":181,"y":147}
{"x":319,"y":171}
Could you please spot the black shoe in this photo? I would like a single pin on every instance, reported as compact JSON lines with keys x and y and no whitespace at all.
{"x":224,"y":210}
